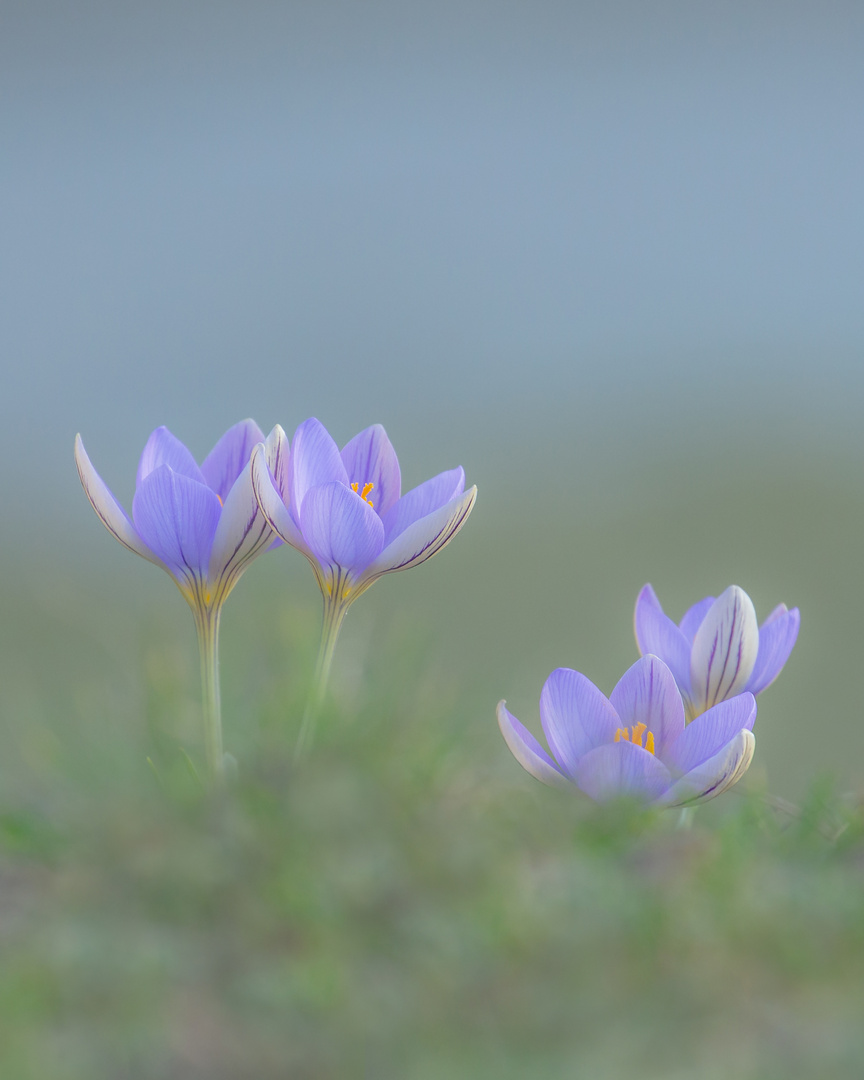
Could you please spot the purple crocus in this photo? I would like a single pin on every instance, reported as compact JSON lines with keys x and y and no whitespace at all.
{"x":202,"y":525}
{"x":344,"y":510}
{"x":718,"y":650}
{"x":635,"y":743}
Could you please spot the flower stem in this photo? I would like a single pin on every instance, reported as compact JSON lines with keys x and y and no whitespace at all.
{"x":207,"y":624}
{"x":334,"y":613}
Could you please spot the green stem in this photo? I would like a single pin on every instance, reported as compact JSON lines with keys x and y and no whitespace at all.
{"x":207,"y":624}
{"x":334,"y":613}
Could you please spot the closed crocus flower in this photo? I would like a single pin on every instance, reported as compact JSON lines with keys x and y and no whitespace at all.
{"x":345,"y":511}
{"x":202,"y":525}
{"x":718,"y":650}
{"x":635,"y":744}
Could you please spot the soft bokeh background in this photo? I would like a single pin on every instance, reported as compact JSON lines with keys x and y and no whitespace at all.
{"x":607,"y":256}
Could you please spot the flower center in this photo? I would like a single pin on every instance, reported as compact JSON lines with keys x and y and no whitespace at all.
{"x":635,"y":734}
{"x":364,"y":494}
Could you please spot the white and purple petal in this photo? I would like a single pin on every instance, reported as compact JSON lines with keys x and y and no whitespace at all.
{"x":242,"y":534}
{"x":706,"y":736}
{"x":340,"y":528}
{"x":576,"y":717}
{"x":777,"y":636}
{"x":424,"y":538}
{"x":724,"y":649}
{"x":230,"y":455}
{"x":315,"y":461}
{"x":622,"y":770}
{"x":647,"y":694}
{"x":714,"y":776}
{"x":528,"y":751}
{"x":268,"y":498}
{"x":163,"y":448}
{"x":177,"y":518}
{"x":110,"y":512}
{"x":369,"y":458}
{"x":423,"y":500}
{"x":658,"y":635}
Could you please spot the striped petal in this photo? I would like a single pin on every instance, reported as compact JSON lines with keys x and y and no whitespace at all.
{"x":340,"y":528}
{"x":724,"y":649}
{"x":423,"y":500}
{"x":177,"y":518}
{"x":528,"y":752}
{"x":647,"y":694}
{"x":230,"y":455}
{"x":110,"y":512}
{"x":370,"y":459}
{"x":706,"y":736}
{"x":275,"y":511}
{"x":163,"y":448}
{"x":576,"y":717}
{"x":242,"y":534}
{"x":424,"y":538}
{"x":713,"y":776}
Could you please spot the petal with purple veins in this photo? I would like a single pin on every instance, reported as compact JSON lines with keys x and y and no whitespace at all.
{"x":647,"y":694}
{"x":369,"y":458}
{"x":423,"y":500}
{"x":163,"y":448}
{"x":705,"y":736}
{"x":777,"y":636}
{"x":622,"y":770}
{"x":724,"y":649}
{"x":576,"y":717}
{"x":110,"y":512}
{"x":315,"y":461}
{"x":270,"y":501}
{"x":340,"y":528}
{"x":242,"y":533}
{"x":230,"y":455}
{"x":658,"y":635}
{"x":423,"y":539}
{"x":715,"y":775}
{"x":177,"y":518}
{"x":527,"y":751}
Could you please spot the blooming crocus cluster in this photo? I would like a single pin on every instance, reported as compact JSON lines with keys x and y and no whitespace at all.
{"x":718,"y":650}
{"x":636,"y":743}
{"x":202,"y":525}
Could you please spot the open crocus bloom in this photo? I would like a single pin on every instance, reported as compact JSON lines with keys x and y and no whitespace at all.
{"x":345,"y":511}
{"x":202,"y":525}
{"x":635,"y":743}
{"x":718,"y":650}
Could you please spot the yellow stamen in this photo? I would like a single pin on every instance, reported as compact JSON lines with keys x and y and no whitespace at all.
{"x":622,"y":733}
{"x":635,"y":734}
{"x":364,"y":494}
{"x":649,"y":742}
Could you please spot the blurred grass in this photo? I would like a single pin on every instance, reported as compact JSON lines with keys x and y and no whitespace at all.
{"x":410,"y":904}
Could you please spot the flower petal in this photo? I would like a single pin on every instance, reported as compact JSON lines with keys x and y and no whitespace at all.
{"x":715,"y":775}
{"x":705,"y":736}
{"x":230,"y":455}
{"x":111,"y":513}
{"x":423,"y":539}
{"x":163,"y":448}
{"x":315,"y":461}
{"x":423,"y":500}
{"x":370,"y":459}
{"x":269,"y":500}
{"x":724,"y":649}
{"x":242,"y":533}
{"x":277,"y":454}
{"x":694,"y":617}
{"x":658,"y":635}
{"x":576,"y":717}
{"x":177,"y":518}
{"x":647,"y":694}
{"x":527,"y":751}
{"x":340,"y":528}
{"x":777,"y":636}
{"x":620,"y":770}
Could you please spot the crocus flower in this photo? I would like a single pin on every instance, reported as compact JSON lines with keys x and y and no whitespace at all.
{"x":202,"y":525}
{"x":718,"y":650}
{"x":635,"y":743}
{"x":345,"y":511}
